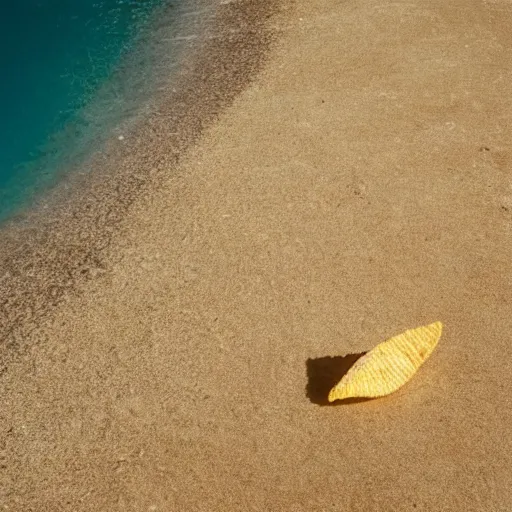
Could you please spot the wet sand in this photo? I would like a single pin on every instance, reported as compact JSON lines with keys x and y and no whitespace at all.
{"x":357,"y":185}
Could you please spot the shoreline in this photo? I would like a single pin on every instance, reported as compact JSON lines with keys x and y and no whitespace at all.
{"x":101,"y":100}
{"x":44,"y":255}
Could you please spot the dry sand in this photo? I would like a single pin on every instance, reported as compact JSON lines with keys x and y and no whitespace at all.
{"x":360,"y":186}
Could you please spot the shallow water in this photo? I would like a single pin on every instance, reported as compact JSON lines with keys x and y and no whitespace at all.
{"x":54,"y":57}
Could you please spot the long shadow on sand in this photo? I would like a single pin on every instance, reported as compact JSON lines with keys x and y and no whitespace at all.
{"x":324,"y":373}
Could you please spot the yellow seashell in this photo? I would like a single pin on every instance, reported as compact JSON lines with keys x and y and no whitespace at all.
{"x":389,"y":365}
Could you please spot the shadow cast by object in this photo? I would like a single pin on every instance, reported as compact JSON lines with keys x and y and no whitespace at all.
{"x":324,"y":373}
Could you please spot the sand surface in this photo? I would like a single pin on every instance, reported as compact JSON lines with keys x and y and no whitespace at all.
{"x":359,"y":186}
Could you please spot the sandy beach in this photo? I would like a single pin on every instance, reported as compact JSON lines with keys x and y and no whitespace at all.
{"x":350,"y":179}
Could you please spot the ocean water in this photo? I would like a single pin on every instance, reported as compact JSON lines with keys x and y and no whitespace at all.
{"x":55,"y":57}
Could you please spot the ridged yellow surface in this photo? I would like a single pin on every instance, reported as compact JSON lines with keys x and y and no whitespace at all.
{"x":389,"y":365}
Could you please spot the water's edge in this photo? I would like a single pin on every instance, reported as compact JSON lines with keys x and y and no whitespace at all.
{"x":59,"y":110}
{"x":44,"y":257}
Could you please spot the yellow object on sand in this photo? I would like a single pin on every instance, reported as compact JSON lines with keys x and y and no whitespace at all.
{"x":389,"y":365}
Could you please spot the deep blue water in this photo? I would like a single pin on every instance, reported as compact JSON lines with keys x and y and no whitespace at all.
{"x":54,"y":57}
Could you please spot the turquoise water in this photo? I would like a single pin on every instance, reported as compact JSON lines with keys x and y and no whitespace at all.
{"x":54,"y":57}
